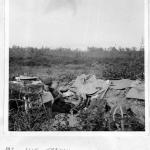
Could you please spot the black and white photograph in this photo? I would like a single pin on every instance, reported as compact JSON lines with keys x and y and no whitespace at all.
{"x":76,"y":65}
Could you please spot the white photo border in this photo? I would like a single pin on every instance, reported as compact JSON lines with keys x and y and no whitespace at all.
{"x":79,"y":133}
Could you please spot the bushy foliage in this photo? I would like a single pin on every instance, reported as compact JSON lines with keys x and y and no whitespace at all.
{"x":118,"y":63}
{"x":93,"y":119}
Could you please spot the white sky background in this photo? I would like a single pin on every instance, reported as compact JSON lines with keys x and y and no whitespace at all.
{"x":76,"y":23}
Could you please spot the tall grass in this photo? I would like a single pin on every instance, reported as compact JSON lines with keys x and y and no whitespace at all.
{"x":111,"y":63}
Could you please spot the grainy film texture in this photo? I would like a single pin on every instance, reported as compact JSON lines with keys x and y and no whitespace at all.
{"x":76,"y":65}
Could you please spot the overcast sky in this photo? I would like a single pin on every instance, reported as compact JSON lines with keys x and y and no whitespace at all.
{"x":76,"y":23}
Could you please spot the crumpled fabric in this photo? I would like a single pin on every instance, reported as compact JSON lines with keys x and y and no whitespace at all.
{"x":137,"y":90}
{"x":121,"y":84}
{"x":47,"y":97}
{"x":67,"y":94}
{"x":88,"y":85}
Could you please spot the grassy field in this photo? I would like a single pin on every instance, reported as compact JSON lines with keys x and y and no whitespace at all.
{"x":64,"y":65}
{"x":56,"y":72}
{"x":108,"y":63}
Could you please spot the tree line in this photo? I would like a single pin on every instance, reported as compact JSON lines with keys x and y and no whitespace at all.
{"x":126,"y":62}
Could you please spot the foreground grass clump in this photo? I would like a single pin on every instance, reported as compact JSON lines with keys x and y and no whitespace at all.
{"x":97,"y":117}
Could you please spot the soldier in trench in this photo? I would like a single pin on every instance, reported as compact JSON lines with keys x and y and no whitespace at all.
{"x":59,"y":104}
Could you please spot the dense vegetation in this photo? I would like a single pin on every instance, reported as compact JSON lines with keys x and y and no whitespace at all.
{"x":116,"y":63}
{"x":65,"y":65}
